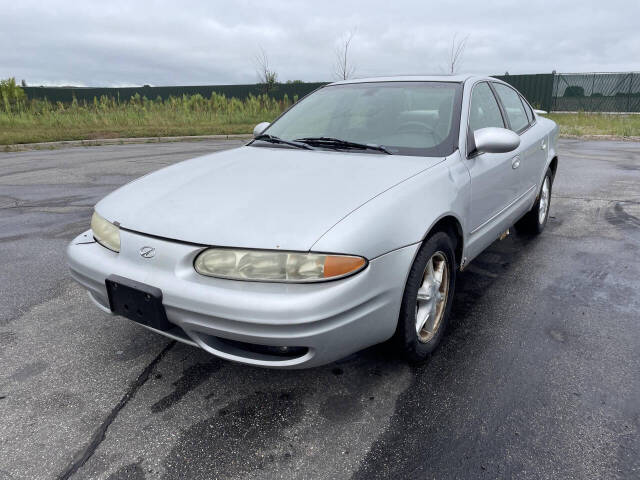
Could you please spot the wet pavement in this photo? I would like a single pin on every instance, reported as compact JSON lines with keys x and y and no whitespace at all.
{"x":538,"y":375}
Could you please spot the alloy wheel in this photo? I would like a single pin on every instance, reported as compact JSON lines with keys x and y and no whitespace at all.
{"x":432,"y":297}
{"x":544,"y":201}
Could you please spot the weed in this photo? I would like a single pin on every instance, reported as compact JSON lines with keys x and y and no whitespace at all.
{"x":26,"y":121}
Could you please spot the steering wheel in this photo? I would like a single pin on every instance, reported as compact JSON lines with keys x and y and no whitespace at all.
{"x":415,"y":127}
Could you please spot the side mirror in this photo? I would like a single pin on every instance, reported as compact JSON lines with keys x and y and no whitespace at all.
{"x":495,"y":140}
{"x":259,"y":128}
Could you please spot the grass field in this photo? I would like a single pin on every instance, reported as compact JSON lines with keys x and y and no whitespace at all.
{"x":198,"y":116}
{"x":29,"y":121}
{"x":597,"y":124}
{"x":42,"y":121}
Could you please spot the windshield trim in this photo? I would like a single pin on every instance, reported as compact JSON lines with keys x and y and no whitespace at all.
{"x":445,"y":148}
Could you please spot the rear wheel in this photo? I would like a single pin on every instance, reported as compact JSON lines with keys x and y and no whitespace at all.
{"x":427,"y":298}
{"x":536,"y":219}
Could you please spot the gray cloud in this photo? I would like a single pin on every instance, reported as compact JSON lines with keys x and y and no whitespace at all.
{"x":214,"y":42}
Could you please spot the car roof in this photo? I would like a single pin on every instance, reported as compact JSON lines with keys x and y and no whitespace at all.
{"x":461,"y":78}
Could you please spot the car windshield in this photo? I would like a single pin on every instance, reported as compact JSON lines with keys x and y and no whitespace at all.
{"x":406,"y":118}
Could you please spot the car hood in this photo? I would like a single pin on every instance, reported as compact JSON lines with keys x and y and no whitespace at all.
{"x":256,"y":197}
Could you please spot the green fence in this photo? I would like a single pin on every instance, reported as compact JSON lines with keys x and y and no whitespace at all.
{"x":596,"y":92}
{"x":536,"y":88}
{"x":66,"y":94}
{"x":568,"y":92}
{"x":580,"y":92}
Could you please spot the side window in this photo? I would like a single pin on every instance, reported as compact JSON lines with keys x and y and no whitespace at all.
{"x":484,"y":111}
{"x":513,"y":106}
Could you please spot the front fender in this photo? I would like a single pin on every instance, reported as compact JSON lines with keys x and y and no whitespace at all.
{"x":403,"y":214}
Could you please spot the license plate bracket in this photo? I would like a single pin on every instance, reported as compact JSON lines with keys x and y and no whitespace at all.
{"x":137,"y":301}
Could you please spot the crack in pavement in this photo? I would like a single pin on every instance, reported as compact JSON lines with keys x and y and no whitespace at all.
{"x":46,"y":209}
{"x":80,"y":458}
{"x":594,"y":198}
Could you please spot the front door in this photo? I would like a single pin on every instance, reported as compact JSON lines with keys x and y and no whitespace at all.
{"x":495,"y":181}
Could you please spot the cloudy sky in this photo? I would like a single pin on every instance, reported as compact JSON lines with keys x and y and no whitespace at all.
{"x":116,"y":43}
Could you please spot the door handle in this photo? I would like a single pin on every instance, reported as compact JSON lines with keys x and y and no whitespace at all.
{"x":515,"y":162}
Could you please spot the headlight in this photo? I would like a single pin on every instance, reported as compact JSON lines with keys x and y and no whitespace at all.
{"x":273,"y":266}
{"x":105,"y":233}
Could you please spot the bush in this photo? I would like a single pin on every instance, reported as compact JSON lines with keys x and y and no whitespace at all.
{"x":11,"y":95}
{"x":24,"y":120}
{"x":574,"y":91}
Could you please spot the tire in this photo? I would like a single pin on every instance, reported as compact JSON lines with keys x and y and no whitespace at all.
{"x":534,"y":220}
{"x":416,"y":346}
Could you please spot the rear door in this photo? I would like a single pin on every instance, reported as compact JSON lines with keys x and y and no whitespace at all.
{"x":494,"y":182}
{"x":533,"y":169}
{"x":522,"y":122}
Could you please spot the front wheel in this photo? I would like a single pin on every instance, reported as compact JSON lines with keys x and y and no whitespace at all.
{"x":427,"y":298}
{"x":535,"y":220}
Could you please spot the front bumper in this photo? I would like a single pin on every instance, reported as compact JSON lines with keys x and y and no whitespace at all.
{"x":331,"y":320}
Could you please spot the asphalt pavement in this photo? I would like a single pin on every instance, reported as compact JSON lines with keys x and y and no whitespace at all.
{"x":538,"y":375}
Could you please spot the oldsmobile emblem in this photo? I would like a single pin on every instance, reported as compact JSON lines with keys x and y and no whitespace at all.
{"x":147,"y":252}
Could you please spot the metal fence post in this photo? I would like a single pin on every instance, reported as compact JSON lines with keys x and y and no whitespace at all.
{"x":629,"y":93}
{"x":556,"y":81}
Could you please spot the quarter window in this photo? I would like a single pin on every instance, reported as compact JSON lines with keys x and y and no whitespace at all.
{"x":527,"y":109}
{"x":484,"y":111}
{"x":513,"y":106}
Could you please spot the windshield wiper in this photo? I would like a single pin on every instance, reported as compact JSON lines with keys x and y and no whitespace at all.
{"x":339,"y":143}
{"x":265,"y":137}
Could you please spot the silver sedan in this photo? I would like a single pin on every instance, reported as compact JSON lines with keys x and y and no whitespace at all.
{"x":341,"y":225}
